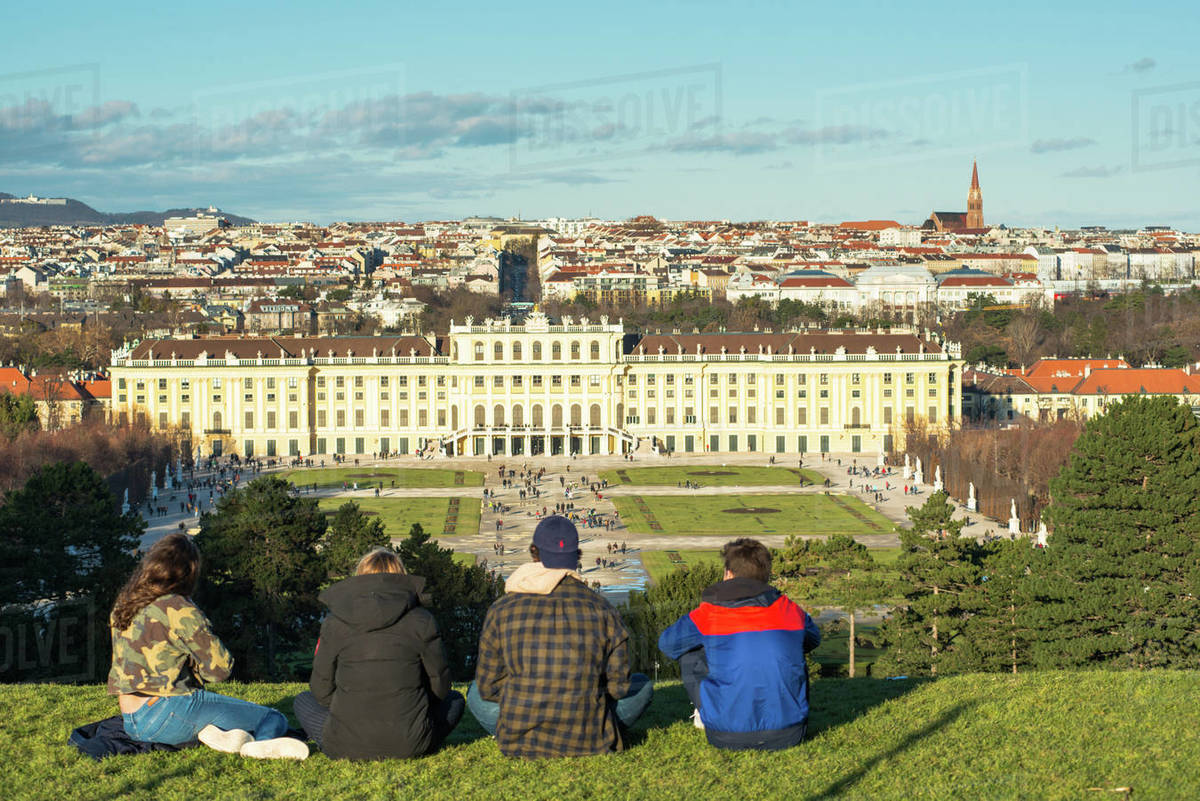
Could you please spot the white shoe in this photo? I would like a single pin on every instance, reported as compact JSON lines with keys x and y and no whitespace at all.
{"x":696,"y":721}
{"x":229,"y":742}
{"x":276,"y":748}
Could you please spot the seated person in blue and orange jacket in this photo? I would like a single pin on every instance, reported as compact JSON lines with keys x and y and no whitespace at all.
{"x":741,"y":653}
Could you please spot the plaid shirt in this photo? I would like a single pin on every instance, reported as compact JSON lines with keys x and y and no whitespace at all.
{"x":554,"y":662}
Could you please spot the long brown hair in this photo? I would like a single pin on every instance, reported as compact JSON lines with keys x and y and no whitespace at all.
{"x":170,"y":567}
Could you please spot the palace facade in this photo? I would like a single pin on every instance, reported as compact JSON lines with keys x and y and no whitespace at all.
{"x":540,"y":388}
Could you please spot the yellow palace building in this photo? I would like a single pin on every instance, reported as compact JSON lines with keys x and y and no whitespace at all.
{"x":571,"y":387}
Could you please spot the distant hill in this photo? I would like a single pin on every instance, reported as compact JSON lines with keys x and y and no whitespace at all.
{"x":27,"y":215}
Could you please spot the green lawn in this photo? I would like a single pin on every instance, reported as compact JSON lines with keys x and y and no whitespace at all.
{"x":783,"y":514}
{"x":398,"y":514}
{"x":659,"y":564}
{"x":415,"y":477}
{"x":710,"y":476}
{"x":1048,"y":735}
{"x":835,"y":647}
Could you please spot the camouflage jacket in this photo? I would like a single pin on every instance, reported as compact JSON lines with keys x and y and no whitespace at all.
{"x":168,"y":649}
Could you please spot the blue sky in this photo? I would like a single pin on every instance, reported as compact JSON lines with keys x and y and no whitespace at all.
{"x":756,"y":110}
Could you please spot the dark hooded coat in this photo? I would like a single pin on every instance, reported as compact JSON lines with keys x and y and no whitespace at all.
{"x":379,"y":668}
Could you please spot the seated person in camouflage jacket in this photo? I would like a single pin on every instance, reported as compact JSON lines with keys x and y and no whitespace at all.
{"x":553,"y":676}
{"x":164,"y":651}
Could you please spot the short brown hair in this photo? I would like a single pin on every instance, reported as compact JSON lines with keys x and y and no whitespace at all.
{"x":747,"y":558}
{"x":380,"y":560}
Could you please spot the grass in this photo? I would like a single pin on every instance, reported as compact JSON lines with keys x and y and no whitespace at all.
{"x":659,"y":565}
{"x":1052,"y":735}
{"x":710,"y":476}
{"x":398,"y":514}
{"x":707,"y":515}
{"x":835,"y":646}
{"x":407,"y":477}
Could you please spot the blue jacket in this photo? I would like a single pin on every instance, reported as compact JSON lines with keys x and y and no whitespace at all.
{"x":754,"y":640}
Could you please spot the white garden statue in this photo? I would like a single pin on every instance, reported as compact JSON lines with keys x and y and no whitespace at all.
{"x":938,"y":486}
{"x":972,"y":503}
{"x":1014,"y":522}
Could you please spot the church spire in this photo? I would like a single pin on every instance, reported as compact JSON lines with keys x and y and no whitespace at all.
{"x":975,"y":200}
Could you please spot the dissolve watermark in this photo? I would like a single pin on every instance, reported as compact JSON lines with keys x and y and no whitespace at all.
{"x":43,"y":111}
{"x":1165,"y":123}
{"x":53,"y":641}
{"x":311,"y":114}
{"x":606,"y":118}
{"x":944,"y":114}
{"x":26,"y":98}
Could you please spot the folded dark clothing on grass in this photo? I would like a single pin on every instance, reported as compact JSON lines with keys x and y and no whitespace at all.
{"x":108,"y":738}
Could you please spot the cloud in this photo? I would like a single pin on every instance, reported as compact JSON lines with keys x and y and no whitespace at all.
{"x":422,"y":125}
{"x":1100,"y":171}
{"x":741,"y":144}
{"x":1055,"y":145}
{"x":1144,"y":64}
{"x":834,"y":135}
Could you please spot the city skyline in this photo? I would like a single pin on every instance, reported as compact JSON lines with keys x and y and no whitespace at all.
{"x":673,"y":110}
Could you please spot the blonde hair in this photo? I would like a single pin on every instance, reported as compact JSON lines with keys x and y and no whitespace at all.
{"x":380,"y":560}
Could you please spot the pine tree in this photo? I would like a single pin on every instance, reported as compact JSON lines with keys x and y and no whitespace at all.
{"x":999,"y":630}
{"x":459,"y":596}
{"x":647,"y":613}
{"x":262,"y":571}
{"x":350,"y":535}
{"x":853,"y":582}
{"x":936,"y":565}
{"x":64,"y":545}
{"x":1123,"y":574}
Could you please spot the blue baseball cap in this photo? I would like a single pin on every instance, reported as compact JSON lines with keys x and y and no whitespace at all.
{"x":557,"y":541}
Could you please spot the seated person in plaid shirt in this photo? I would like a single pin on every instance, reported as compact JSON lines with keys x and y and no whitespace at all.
{"x":553,"y":672}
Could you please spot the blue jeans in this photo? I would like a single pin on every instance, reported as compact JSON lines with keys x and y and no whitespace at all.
{"x":177,"y":719}
{"x":629,"y":708}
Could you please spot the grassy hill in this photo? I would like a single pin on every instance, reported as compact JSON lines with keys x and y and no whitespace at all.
{"x":1036,"y":736}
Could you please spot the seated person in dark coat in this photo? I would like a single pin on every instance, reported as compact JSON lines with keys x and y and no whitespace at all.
{"x":380,"y":683}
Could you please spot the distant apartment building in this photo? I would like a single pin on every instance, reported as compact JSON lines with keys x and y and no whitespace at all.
{"x":1058,"y":389}
{"x":279,"y":317}
{"x":194,"y":225}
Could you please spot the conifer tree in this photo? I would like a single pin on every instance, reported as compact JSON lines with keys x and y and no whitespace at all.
{"x":852,"y":582}
{"x":262,"y":571}
{"x":936,"y":566}
{"x":459,"y":596}
{"x":999,"y":629}
{"x":350,"y":535}
{"x":1123,"y":574}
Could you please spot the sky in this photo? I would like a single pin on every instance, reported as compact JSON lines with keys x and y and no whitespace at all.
{"x":761,"y":109}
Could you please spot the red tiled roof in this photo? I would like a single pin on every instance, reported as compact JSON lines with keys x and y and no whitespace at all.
{"x":280,"y":347}
{"x":1071,"y":367}
{"x":800,"y":342}
{"x":975,"y":280}
{"x":816,"y":281}
{"x":1131,"y":381}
